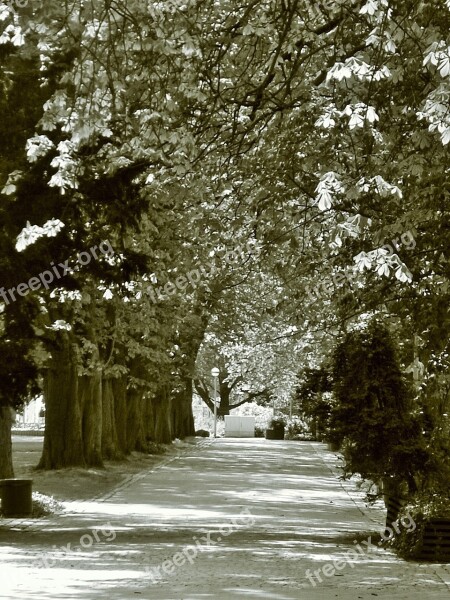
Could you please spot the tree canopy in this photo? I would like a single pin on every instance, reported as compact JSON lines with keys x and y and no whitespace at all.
{"x":175,"y":132}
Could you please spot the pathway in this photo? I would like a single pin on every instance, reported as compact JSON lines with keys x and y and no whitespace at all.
{"x":244,"y":519}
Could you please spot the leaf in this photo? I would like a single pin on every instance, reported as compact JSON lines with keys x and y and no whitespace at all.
{"x":445,"y":137}
{"x":371,"y":115}
{"x":9,"y":189}
{"x":362,"y":261}
{"x":325,"y":200}
{"x":383,"y":270}
{"x":369,"y":8}
{"x":356,"y":120}
{"x":444,"y":66}
{"x":403,"y":274}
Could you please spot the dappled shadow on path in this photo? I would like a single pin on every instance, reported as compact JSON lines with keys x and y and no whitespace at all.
{"x":256,"y":513}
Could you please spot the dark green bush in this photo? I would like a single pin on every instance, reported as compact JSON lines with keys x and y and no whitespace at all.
{"x":259,"y":432}
{"x":372,"y":417}
{"x":313,"y":399}
{"x":278,"y":422}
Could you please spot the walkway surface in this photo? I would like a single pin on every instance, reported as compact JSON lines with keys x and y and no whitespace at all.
{"x":244,"y":519}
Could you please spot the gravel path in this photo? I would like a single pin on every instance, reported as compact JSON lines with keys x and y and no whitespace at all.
{"x":228,"y":519}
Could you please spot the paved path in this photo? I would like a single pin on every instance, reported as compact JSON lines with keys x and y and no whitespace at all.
{"x":242,"y":519}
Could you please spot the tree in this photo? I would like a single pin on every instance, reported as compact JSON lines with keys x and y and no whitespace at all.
{"x":314,"y":132}
{"x":312,"y":398}
{"x":374,"y":412}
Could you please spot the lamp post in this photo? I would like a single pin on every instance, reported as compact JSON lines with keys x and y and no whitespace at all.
{"x":215,"y":374}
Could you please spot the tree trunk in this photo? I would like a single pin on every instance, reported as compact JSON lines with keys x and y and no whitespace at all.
{"x":394,"y":499}
{"x":63,"y":444}
{"x":136,"y":431}
{"x":110,"y":443}
{"x":162,"y":406}
{"x":90,"y":391}
{"x":119,"y":389}
{"x":149,"y":419}
{"x":224,"y":398}
{"x":6,"y":465}
{"x":182,"y":415}
{"x":190,"y":339}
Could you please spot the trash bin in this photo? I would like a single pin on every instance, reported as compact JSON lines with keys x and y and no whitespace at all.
{"x":16,"y":495}
{"x":275,"y":434}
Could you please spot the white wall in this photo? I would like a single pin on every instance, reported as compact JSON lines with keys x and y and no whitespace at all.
{"x":239,"y":426}
{"x":31,"y":412}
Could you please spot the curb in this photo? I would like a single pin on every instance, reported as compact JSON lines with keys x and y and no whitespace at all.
{"x":130,"y":479}
{"x":349,"y":488}
{"x":436,"y":569}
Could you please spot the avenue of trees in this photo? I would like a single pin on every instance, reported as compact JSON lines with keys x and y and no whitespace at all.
{"x":312,"y":137}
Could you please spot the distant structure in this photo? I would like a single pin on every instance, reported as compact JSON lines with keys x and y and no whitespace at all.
{"x":32,"y":413}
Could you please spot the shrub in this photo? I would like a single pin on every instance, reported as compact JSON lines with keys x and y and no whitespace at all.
{"x":45,"y":505}
{"x":259,"y":432}
{"x":278,"y":422}
{"x":314,"y":399}
{"x":296,"y":427}
{"x":372,"y":417}
{"x":422,"y":508}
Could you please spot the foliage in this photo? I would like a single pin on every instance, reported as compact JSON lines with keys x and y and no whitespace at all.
{"x":420,"y":509}
{"x":262,"y":414}
{"x":296,"y":428}
{"x":44,"y":506}
{"x":313,"y":397}
{"x":277,"y":422}
{"x":373,"y":417}
{"x":248,"y":345}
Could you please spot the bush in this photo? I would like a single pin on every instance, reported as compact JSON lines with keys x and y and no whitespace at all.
{"x":45,"y":505}
{"x":296,"y":428}
{"x":202,"y":433}
{"x":314,"y":399}
{"x":372,"y":415}
{"x":259,"y":432}
{"x":278,"y":422}
{"x":421,"y":509}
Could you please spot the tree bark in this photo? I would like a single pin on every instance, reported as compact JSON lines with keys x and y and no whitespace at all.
{"x":136,"y":430}
{"x":182,"y":415}
{"x":119,"y":388}
{"x":63,"y":442}
{"x":90,"y":391}
{"x":110,"y":442}
{"x":224,"y":398}
{"x":149,"y":419}
{"x":162,"y":406}
{"x":6,"y":464}
{"x":190,"y":339}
